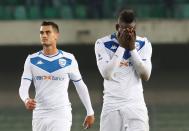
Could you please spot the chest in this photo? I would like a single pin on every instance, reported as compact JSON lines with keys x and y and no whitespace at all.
{"x":48,"y":68}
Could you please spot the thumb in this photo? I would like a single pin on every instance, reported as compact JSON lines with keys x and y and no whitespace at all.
{"x":85,"y":124}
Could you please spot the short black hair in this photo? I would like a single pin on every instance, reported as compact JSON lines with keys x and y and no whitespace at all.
{"x":53,"y":24}
{"x":127,"y":16}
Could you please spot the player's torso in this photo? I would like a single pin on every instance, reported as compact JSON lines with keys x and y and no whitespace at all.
{"x":51,"y":78}
{"x":125,"y":69}
{"x":54,"y":69}
{"x":125,"y":86}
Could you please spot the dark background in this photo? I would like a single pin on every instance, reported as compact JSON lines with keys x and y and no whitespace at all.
{"x":166,"y":93}
{"x":164,"y":56}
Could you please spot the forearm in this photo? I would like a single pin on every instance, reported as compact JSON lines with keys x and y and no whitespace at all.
{"x":84,"y":96}
{"x":24,"y":89}
{"x":141,"y":67}
{"x":107,"y":68}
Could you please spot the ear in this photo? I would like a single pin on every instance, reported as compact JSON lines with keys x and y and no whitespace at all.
{"x":117,"y":26}
{"x":57,"y":35}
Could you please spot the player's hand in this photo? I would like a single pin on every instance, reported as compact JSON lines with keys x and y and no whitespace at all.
{"x":131,"y":38}
{"x":122,"y":38}
{"x":30,"y":104}
{"x":126,"y":38}
{"x":88,"y":122}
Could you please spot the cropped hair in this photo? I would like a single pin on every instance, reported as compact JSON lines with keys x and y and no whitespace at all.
{"x":127,"y":16}
{"x":54,"y":25}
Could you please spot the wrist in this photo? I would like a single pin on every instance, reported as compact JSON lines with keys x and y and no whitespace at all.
{"x":90,"y":113}
{"x":26,"y":100}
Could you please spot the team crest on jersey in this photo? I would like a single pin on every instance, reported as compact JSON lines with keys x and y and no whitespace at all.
{"x":62,"y":62}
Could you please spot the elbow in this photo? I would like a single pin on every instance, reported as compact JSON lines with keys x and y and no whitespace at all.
{"x":145,"y":73}
{"x":107,"y":77}
{"x":106,"y":74}
{"x":145,"y":76}
{"x":20,"y":91}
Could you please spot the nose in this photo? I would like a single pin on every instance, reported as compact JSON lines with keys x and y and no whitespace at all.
{"x":43,"y":34}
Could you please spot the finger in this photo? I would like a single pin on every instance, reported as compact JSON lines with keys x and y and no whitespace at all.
{"x":128,"y":29}
{"x":118,"y":34}
{"x":85,"y":125}
{"x":32,"y":105}
{"x":89,"y":126}
{"x":126,"y":33}
{"x":33,"y":101}
{"x":29,"y":108}
{"x":131,"y":29}
{"x":133,"y":34}
{"x":122,"y":32}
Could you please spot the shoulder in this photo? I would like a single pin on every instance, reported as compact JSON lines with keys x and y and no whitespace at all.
{"x":104,"y":39}
{"x":68,"y":55}
{"x":143,"y":43}
{"x":34,"y":54}
{"x":143,"y":39}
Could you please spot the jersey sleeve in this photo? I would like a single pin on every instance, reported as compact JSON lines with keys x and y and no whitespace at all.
{"x":146,"y":53}
{"x":105,"y":63}
{"x":27,"y":74}
{"x":142,"y":61}
{"x":74,"y":74}
{"x":84,"y":96}
{"x":26,"y":80}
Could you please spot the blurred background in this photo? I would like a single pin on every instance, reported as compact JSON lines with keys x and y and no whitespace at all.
{"x":164,"y":22}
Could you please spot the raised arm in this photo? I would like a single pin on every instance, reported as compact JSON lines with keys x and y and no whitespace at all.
{"x":105,"y":63}
{"x":142,"y":67}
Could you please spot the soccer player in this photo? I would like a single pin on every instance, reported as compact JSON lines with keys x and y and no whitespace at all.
{"x":124,"y":60}
{"x":51,"y":69}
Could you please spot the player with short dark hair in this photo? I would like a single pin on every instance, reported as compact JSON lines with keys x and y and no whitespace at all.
{"x":51,"y":70}
{"x":124,"y":60}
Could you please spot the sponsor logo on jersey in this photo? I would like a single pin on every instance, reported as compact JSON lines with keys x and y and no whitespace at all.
{"x":125,"y":63}
{"x":62,"y":62}
{"x":49,"y":78}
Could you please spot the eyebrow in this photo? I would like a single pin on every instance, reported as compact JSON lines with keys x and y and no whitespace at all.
{"x":128,"y":26}
{"x":47,"y":31}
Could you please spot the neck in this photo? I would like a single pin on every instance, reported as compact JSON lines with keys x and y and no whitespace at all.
{"x":49,"y":50}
